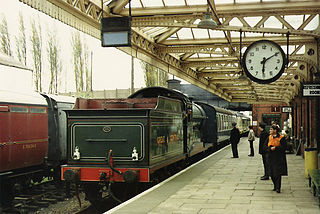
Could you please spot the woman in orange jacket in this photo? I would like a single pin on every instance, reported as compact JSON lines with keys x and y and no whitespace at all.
{"x":276,"y":156}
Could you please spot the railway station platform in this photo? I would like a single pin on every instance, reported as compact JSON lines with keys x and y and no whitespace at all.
{"x":225,"y":185}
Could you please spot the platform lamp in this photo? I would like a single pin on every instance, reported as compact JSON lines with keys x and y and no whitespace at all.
{"x":207,"y":22}
{"x":116,"y":31}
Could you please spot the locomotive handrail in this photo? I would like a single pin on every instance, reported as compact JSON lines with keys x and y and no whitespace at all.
{"x":110,"y":162}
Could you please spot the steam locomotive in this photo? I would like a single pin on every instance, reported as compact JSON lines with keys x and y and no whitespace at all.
{"x":133,"y":141}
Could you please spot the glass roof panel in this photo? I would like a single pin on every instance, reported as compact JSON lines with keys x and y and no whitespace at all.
{"x":223,"y":1}
{"x":200,"y":33}
{"x":216,"y":34}
{"x":247,"y":1}
{"x":273,"y":22}
{"x":134,"y":4}
{"x":174,"y":3}
{"x":152,"y":3}
{"x":302,"y":50}
{"x":235,"y":22}
{"x":313,"y":24}
{"x":196,"y":2}
{"x":252,"y":21}
{"x":294,"y":21}
{"x":185,"y":33}
{"x":235,"y":34}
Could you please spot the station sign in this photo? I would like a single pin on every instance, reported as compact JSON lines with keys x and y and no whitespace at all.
{"x":311,"y":89}
{"x":286,"y":109}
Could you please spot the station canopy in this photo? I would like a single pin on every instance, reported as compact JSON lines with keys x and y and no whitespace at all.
{"x":166,"y":34}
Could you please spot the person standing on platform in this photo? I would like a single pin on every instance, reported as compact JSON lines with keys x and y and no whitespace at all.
{"x":263,"y":143}
{"x":276,"y":157}
{"x":234,"y":140}
{"x":251,"y":139}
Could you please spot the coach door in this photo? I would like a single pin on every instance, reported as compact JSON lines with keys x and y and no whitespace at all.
{"x":4,"y":137}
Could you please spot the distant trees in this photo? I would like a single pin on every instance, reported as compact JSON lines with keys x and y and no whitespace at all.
{"x":21,"y":47}
{"x":154,"y":76}
{"x":54,"y":60}
{"x":4,"y":36}
{"x":50,"y":44}
{"x":36,"y":49}
{"x":80,"y":63}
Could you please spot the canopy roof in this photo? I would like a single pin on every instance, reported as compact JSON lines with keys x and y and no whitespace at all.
{"x":165,"y":34}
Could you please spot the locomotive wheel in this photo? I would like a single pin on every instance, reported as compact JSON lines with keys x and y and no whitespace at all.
{"x":93,"y":193}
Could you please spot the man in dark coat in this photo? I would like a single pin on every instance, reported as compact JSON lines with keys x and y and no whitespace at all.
{"x":234,"y":140}
{"x":276,"y":157}
{"x":262,"y":145}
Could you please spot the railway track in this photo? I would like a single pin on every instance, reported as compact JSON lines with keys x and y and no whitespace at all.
{"x":34,"y":198}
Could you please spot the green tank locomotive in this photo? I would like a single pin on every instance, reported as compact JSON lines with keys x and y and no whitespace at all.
{"x":131,"y":141}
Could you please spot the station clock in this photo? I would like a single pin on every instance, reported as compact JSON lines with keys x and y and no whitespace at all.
{"x":264,"y":61}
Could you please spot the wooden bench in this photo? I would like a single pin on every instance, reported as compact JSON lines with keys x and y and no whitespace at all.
{"x":314,"y":182}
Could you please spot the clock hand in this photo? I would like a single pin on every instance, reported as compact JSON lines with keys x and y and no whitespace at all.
{"x":272,"y":56}
{"x":263,"y":62}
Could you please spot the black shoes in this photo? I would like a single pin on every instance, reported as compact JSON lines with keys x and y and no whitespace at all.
{"x":265,"y":178}
{"x":277,"y":190}
{"x":250,"y":155}
{"x":234,"y":157}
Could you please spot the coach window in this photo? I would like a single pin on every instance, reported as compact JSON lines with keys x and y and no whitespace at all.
{"x":224,"y":122}
{"x":38,"y":110}
{"x":19,"y":109}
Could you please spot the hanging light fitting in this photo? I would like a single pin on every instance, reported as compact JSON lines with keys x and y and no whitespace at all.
{"x":207,"y":22}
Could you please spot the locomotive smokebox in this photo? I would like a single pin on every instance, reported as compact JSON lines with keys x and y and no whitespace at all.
{"x":130,"y":176}
{"x":71,"y":175}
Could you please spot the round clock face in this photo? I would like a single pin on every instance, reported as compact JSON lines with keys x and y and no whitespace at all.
{"x":264,"y":61}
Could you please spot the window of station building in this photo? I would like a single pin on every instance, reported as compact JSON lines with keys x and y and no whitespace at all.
{"x":38,"y":110}
{"x":19,"y":109}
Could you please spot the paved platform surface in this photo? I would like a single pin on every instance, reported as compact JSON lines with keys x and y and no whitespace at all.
{"x":220,"y":184}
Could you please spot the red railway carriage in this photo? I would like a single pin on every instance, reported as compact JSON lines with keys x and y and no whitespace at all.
{"x":23,"y":132}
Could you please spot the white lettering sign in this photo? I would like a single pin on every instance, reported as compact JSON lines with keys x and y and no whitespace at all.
{"x":311,"y":90}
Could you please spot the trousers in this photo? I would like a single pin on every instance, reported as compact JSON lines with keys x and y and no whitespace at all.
{"x":265,"y":164}
{"x":234,"y":147}
{"x":251,"y":147}
{"x":276,"y":179}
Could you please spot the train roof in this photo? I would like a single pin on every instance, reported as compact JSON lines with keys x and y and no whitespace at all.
{"x":30,"y":98}
{"x":217,"y":109}
{"x":9,"y":61}
{"x":153,"y":92}
{"x":61,"y":99}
